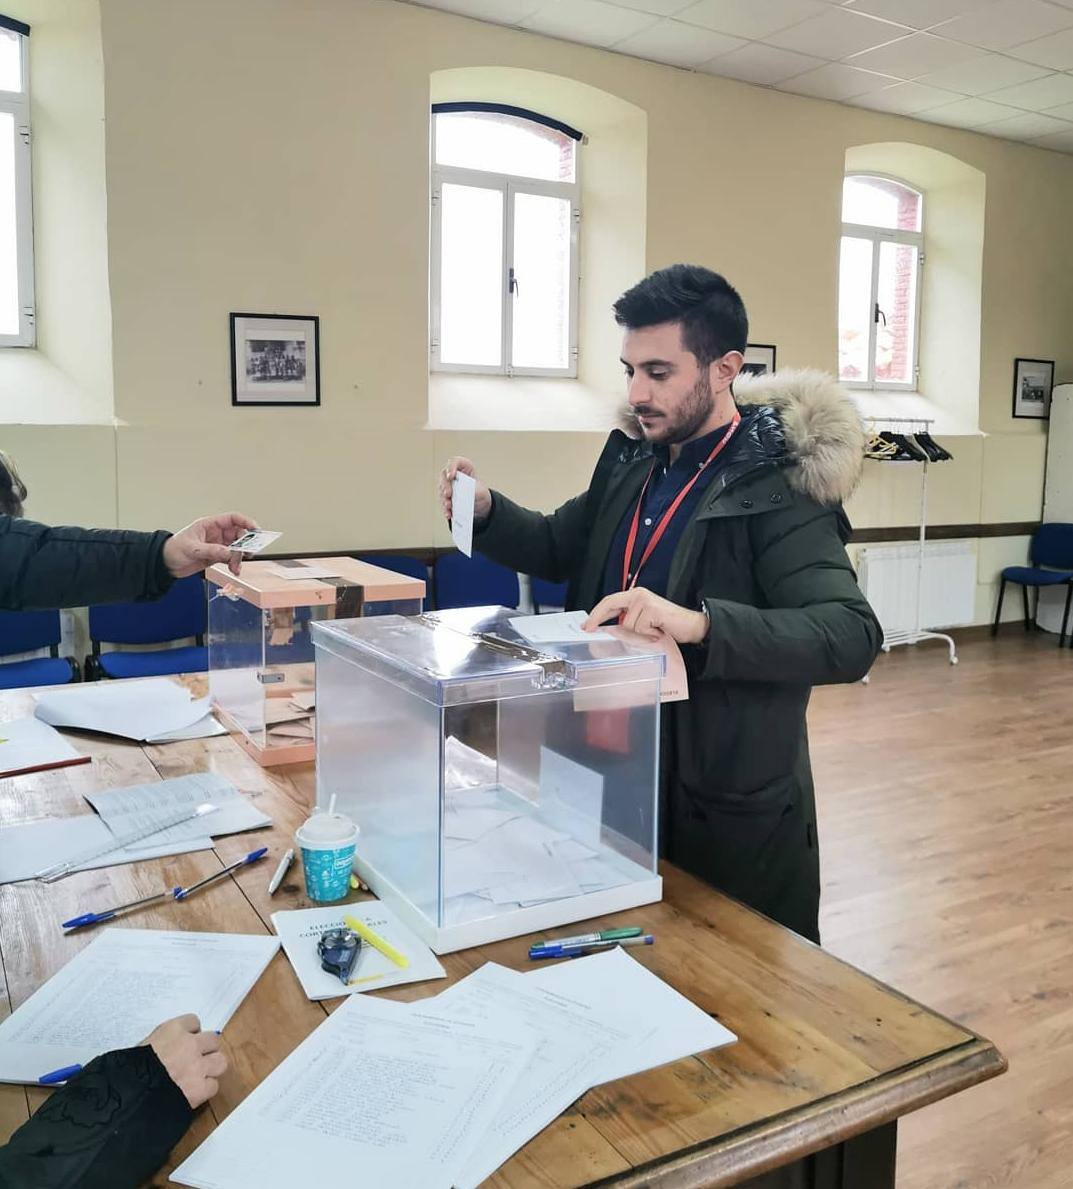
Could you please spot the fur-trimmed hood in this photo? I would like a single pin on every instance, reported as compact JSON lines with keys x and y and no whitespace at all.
{"x":823,"y":440}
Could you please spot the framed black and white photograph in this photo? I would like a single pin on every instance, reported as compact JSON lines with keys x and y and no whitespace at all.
{"x":759,"y":359}
{"x":275,"y":359}
{"x":1033,"y":380}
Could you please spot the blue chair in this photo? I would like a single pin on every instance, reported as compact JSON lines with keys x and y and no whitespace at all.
{"x":179,"y":615}
{"x":28,"y":631}
{"x":475,"y":581}
{"x":547,"y":596}
{"x":1051,"y":557}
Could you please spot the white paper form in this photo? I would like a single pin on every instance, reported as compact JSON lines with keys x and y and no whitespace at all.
{"x":556,"y":627}
{"x":113,"y":993}
{"x":30,"y":745}
{"x":388,"y":1094}
{"x":301,"y":929}
{"x":463,"y":496}
{"x":34,"y":846}
{"x":205,"y":728}
{"x":575,"y":1040}
{"x":138,"y":710}
{"x":126,"y":810}
{"x":682,"y":1029}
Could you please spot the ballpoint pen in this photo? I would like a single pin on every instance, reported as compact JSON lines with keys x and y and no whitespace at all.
{"x":252,"y":857}
{"x":591,"y":947}
{"x":59,"y":1075}
{"x":96,"y":918}
{"x":588,"y":938}
{"x":281,"y":871}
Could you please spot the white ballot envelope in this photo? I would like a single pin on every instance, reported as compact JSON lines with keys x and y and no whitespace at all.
{"x":463,"y":495}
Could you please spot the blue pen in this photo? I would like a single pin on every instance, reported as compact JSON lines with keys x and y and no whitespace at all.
{"x":96,"y":918}
{"x":59,"y":1075}
{"x":590,"y":947}
{"x":252,"y":857}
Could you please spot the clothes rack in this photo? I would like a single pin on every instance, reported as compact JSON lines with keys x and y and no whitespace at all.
{"x":917,"y":632}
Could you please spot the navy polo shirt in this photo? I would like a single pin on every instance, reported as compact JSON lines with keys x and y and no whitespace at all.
{"x":666,"y":482}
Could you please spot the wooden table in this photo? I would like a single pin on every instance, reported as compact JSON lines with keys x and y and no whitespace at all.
{"x":827,"y":1060}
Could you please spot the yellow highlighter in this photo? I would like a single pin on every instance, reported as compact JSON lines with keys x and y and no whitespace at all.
{"x":376,"y":941}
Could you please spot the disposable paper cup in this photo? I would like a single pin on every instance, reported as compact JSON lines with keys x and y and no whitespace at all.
{"x":328,"y":842}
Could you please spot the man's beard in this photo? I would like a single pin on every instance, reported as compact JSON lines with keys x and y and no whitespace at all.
{"x":691,"y":415}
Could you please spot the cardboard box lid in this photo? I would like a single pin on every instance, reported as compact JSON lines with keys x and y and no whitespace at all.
{"x":271,"y":584}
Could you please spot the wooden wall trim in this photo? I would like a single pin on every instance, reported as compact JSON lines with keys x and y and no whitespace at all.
{"x":945,"y":532}
{"x":873,"y":536}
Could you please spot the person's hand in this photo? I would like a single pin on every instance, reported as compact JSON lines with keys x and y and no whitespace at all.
{"x":641,"y":611}
{"x":191,"y":1057}
{"x":204,"y":543}
{"x":482,"y":499}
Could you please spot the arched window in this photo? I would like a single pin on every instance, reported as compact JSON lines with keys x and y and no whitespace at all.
{"x":16,"y":214}
{"x":504,"y":241}
{"x":879,"y":282}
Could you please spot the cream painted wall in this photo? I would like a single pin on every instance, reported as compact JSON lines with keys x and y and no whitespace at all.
{"x":67,"y":377}
{"x":272,"y":155}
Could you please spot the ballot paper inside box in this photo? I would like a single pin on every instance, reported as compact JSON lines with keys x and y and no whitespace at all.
{"x":500,"y":787}
{"x":261,"y":649}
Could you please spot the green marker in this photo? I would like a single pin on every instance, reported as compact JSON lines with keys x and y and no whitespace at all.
{"x":588,"y":938}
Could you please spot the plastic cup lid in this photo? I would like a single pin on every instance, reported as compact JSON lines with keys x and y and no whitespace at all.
{"x":327,"y":829}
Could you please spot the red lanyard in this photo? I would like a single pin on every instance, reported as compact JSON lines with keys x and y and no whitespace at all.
{"x":630,"y":576}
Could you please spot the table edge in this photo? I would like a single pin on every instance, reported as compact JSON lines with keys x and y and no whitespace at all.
{"x":772,"y":1144}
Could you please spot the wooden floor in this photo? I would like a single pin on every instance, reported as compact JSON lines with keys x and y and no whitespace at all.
{"x":946,"y":824}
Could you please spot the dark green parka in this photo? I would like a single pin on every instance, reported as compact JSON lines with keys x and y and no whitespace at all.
{"x":765,"y":551}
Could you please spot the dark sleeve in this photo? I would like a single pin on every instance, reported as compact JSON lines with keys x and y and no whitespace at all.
{"x":547,"y":547}
{"x":817,"y":627}
{"x":43,"y":567}
{"x":111,"y":1127}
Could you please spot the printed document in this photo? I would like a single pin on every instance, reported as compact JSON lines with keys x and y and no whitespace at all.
{"x":114,"y":992}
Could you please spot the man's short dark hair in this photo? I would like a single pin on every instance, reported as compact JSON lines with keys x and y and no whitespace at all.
{"x":709,"y":309}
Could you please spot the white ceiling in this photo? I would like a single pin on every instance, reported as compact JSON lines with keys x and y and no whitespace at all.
{"x":1001,"y":67}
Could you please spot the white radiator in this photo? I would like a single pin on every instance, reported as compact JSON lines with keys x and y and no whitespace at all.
{"x":888,"y":577}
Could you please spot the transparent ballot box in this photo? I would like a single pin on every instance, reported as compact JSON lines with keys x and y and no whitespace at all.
{"x":499,"y":788}
{"x":261,"y":650}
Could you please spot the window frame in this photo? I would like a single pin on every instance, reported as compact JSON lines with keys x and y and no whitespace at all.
{"x":510,"y":185}
{"x":17,"y":104}
{"x":878,"y":236}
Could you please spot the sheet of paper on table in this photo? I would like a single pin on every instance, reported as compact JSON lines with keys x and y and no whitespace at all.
{"x":681,"y":1030}
{"x":30,"y":745}
{"x":138,"y":710}
{"x":129,"y":809}
{"x":391,"y":1094}
{"x":300,"y":929}
{"x":114,"y":992}
{"x":31,"y":847}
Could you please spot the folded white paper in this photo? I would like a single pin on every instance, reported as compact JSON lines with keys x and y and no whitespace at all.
{"x":139,"y":710}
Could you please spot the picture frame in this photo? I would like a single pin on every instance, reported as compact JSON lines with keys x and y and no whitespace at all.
{"x":275,"y":359}
{"x":1033,"y":380}
{"x":759,"y":359}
